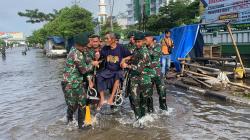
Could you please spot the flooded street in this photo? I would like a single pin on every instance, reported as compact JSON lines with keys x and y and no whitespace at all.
{"x":32,"y":107}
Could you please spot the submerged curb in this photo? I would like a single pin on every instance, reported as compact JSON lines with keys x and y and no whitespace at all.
{"x":219,"y":95}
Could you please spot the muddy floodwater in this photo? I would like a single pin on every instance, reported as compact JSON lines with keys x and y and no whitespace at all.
{"x":32,"y":107}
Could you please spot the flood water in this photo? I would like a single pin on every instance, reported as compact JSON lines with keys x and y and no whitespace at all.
{"x":32,"y":107}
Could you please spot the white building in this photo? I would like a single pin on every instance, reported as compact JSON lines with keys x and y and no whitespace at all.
{"x":122,"y":20}
{"x":102,"y":16}
{"x":130,"y":10}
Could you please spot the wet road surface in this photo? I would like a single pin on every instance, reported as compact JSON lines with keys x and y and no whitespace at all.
{"x":32,"y":107}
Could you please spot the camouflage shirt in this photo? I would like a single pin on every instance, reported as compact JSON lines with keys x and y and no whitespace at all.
{"x":139,"y":61}
{"x":155,"y":56}
{"x":76,"y":66}
{"x":131,"y":47}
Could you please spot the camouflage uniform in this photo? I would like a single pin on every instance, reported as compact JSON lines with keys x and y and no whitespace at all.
{"x":77,"y":67}
{"x":131,"y":47}
{"x":139,"y":81}
{"x":155,"y":74}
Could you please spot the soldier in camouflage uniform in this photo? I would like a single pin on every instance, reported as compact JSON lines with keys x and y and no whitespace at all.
{"x":155,"y":54}
{"x":77,"y":66}
{"x":131,"y":45}
{"x":139,"y":80}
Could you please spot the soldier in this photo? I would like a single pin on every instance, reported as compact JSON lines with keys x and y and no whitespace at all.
{"x":131,"y":45}
{"x":76,"y":66}
{"x":96,"y":45}
{"x":155,"y":54}
{"x":139,"y":80}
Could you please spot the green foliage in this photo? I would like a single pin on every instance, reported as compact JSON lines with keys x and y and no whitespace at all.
{"x":68,"y":22}
{"x":176,"y":13}
{"x":2,"y":43}
{"x":34,"y":16}
{"x":106,"y":28}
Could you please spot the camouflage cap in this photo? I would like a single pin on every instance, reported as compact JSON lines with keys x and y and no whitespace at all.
{"x":82,"y":39}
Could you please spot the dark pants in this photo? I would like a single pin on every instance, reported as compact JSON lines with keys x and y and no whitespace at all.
{"x":159,"y":83}
{"x":106,"y":79}
{"x":75,"y":99}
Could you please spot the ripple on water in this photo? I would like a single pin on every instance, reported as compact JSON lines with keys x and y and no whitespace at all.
{"x":32,"y":107}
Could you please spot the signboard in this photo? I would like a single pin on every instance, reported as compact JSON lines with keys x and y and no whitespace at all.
{"x":219,"y":11}
{"x":11,"y":35}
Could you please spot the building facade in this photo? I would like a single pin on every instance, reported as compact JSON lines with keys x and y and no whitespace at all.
{"x":102,"y":16}
{"x":140,"y":8}
{"x":13,"y":37}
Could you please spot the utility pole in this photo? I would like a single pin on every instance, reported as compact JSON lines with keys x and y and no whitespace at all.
{"x":143,"y":14}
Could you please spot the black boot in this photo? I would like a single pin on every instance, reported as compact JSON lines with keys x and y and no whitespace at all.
{"x":163,"y":104}
{"x":70,"y":112}
{"x":150,"y":104}
{"x":81,"y":117}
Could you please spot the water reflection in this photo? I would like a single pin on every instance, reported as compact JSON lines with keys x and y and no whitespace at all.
{"x":32,"y":107}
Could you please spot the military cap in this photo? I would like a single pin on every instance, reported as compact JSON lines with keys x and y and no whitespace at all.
{"x":82,"y":39}
{"x":94,"y":36}
{"x":89,"y":34}
{"x":132,"y":33}
{"x":148,"y":34}
{"x":139,"y":36}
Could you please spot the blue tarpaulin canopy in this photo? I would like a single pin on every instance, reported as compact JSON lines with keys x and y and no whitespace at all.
{"x":57,"y":39}
{"x":184,"y":38}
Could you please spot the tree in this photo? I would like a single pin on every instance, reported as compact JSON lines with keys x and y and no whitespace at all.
{"x":68,"y":22}
{"x":34,"y":16}
{"x":174,"y":14}
{"x":2,"y":43}
{"x":72,"y":21}
{"x":106,"y":28}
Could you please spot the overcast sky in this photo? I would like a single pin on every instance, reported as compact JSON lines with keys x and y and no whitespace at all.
{"x":11,"y":22}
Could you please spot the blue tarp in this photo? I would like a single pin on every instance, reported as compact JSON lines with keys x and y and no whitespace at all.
{"x":57,"y":39}
{"x":184,"y":38}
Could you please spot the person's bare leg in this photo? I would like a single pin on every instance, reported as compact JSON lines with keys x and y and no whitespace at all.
{"x":102,"y":99}
{"x":115,"y":87}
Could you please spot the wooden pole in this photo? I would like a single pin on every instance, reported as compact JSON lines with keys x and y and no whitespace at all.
{"x":202,"y":67}
{"x":182,"y":68}
{"x":231,"y":83}
{"x":236,"y":48}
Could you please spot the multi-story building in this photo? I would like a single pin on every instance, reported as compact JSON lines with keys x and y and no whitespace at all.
{"x":130,"y":10}
{"x":140,"y":8}
{"x":137,"y":8}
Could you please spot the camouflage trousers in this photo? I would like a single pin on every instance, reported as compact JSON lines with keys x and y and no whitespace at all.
{"x":138,"y":96}
{"x":75,"y":98}
{"x":161,"y":91}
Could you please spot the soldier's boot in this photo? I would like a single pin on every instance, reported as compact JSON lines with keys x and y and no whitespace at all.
{"x":137,"y":111}
{"x":163,"y":103}
{"x":150,"y":105}
{"x":70,"y":112}
{"x":81,"y":116}
{"x":142,"y":112}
